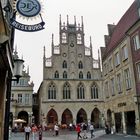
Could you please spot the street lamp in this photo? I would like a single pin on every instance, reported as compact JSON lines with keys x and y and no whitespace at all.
{"x":17,"y":73}
{"x":137,"y":101}
{"x":18,"y":68}
{"x":30,"y":117}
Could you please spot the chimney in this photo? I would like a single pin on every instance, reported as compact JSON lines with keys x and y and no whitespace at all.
{"x":110,"y":29}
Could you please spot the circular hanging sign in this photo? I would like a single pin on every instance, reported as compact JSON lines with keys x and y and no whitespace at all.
{"x":28,"y":8}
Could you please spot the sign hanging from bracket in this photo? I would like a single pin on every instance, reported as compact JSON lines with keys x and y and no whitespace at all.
{"x":27,"y":9}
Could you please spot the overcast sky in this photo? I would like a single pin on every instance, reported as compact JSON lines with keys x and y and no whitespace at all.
{"x":96,"y":15}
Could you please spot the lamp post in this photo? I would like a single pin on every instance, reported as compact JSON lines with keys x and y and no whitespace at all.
{"x":17,"y":73}
{"x":137,"y":101}
{"x":30,"y":117}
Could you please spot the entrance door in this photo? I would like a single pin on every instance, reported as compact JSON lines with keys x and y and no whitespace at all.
{"x":118,"y":122}
{"x":130,"y":122}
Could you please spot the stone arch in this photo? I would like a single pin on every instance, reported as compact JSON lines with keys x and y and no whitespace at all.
{"x":95,"y":117}
{"x":52,"y":117}
{"x":24,"y":116}
{"x":67,"y":117}
{"x":109,"y":117}
{"x":81,"y":116}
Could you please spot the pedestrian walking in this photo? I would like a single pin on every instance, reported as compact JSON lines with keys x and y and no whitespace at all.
{"x":40,"y":133}
{"x":34,"y":130}
{"x":56,"y":129}
{"x":85,"y":131}
{"x":78,"y":130}
{"x":91,"y":128}
{"x":27,"y":131}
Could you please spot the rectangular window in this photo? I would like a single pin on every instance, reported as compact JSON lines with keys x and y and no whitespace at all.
{"x":127,"y":78}
{"x":124,"y":52}
{"x":79,"y":39}
{"x":64,"y":38}
{"x":21,"y":82}
{"x":119,"y":84}
{"x":12,"y":96}
{"x":106,"y":90}
{"x":110,"y":64}
{"x":19,"y":98}
{"x":27,"y":99}
{"x":136,"y":41}
{"x":105,"y":69}
{"x":112,"y":86}
{"x":138,"y":70}
{"x":117,"y":59}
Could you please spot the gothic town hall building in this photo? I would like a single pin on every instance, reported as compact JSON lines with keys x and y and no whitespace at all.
{"x":71,"y":91}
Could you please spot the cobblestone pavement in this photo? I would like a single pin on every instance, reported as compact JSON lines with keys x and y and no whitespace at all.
{"x":64,"y":135}
{"x":71,"y":135}
{"x":118,"y":137}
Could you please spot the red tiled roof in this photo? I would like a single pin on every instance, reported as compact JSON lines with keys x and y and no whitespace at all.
{"x":127,"y":20}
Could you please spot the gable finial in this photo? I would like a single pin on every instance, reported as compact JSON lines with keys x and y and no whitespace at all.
{"x":67,"y":19}
{"x":91,"y":46}
{"x":44,"y":51}
{"x":90,"y":42}
{"x":82,"y":22}
{"x":52,"y":39}
{"x":75,"y":20}
{"x":28,"y":70}
{"x":99,"y":59}
{"x":60,"y":19}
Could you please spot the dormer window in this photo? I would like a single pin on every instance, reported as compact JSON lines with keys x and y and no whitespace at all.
{"x":64,"y":38}
{"x":79,"y":39}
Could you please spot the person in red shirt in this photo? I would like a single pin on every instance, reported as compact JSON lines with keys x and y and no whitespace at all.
{"x":78,"y":130}
{"x":34,"y":130}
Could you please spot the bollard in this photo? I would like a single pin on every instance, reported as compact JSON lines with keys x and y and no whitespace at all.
{"x":40,"y":134}
{"x":10,"y":130}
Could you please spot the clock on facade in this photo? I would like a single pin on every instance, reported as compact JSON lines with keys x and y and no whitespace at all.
{"x":80,"y":55}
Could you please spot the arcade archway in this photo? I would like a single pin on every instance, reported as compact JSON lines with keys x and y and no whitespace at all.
{"x":67,"y":117}
{"x":81,"y":116}
{"x":95,"y":117}
{"x":52,"y":117}
{"x":109,"y":118}
{"x":23,"y":115}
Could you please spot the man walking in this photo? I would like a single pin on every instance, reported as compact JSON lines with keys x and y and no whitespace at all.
{"x":27,"y":131}
{"x":91,"y":128}
{"x":56,"y":129}
{"x":85,"y":131}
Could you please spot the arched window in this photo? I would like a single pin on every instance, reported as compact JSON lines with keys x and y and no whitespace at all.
{"x":56,"y":75}
{"x":51,"y":91}
{"x":94,"y":92}
{"x":88,"y":75}
{"x":80,"y":91}
{"x":64,"y":64}
{"x":79,"y":39}
{"x":80,"y":65}
{"x":80,"y":75}
{"x":66,"y":91}
{"x":64,"y":38}
{"x":64,"y":74}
